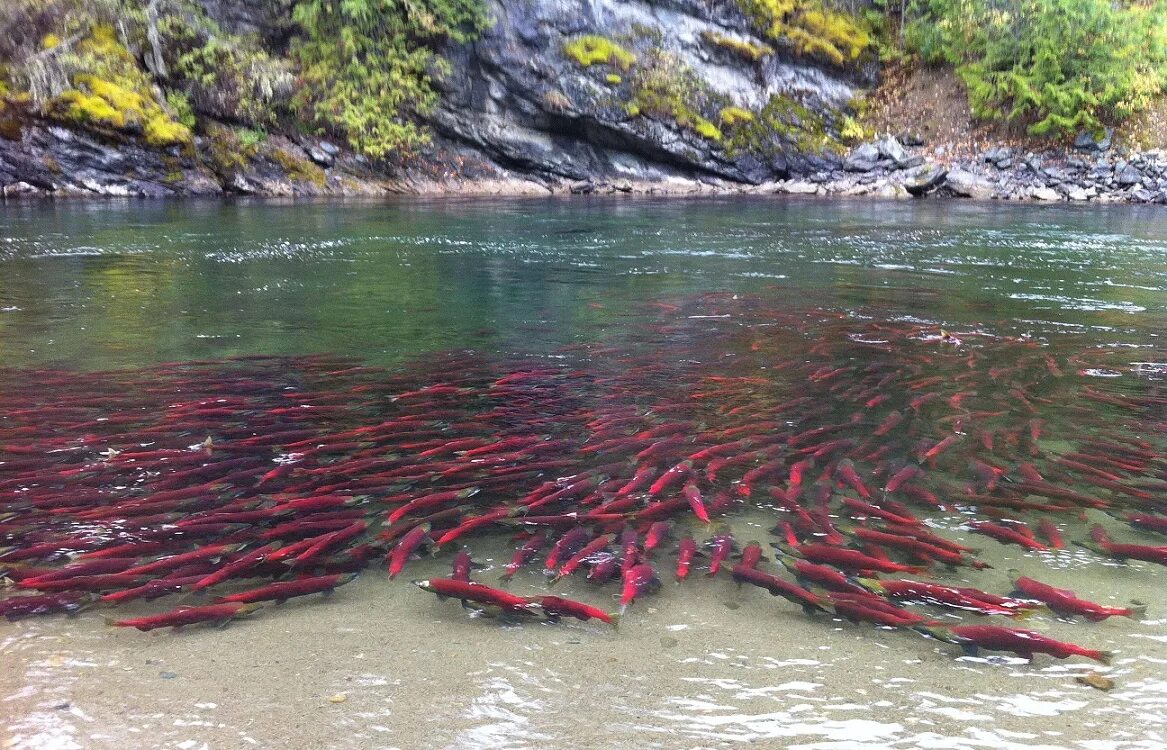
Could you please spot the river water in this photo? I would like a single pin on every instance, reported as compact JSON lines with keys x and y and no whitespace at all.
{"x":1034,"y":336}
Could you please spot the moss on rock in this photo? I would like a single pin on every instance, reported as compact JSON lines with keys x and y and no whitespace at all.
{"x":591,"y":49}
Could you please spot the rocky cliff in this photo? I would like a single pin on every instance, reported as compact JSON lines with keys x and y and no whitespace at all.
{"x":552,"y":93}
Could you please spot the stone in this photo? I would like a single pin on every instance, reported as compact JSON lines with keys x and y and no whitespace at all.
{"x":1087,"y":142}
{"x":966,"y":184}
{"x":912,"y":140}
{"x":926,"y":182}
{"x":798,"y":187}
{"x":320,"y":156}
{"x":1044,"y":194}
{"x":1077,"y":194}
{"x":862,"y":159}
{"x":1128,"y":176}
{"x":890,"y":148}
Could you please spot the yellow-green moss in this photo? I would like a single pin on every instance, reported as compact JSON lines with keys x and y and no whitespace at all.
{"x":812,"y":28}
{"x":613,"y":79}
{"x":731,"y":116}
{"x":853,"y":131}
{"x":161,"y":131}
{"x":49,"y":41}
{"x":740,"y":47}
{"x":112,"y":93}
{"x":591,"y":49}
{"x":780,"y":124}
{"x":706,"y":129}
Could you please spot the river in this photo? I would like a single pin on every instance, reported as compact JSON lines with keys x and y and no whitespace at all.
{"x":849,"y":334}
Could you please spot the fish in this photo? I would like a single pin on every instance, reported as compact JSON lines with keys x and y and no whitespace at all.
{"x":587,"y":552}
{"x":220,"y":614}
{"x":1066,"y":603}
{"x":809,"y":602}
{"x":406,"y":547}
{"x":69,"y":603}
{"x":721,"y":545}
{"x":469,"y":591}
{"x":639,"y":580}
{"x":1024,"y":643}
{"x":556,"y":607}
{"x":686,"y":551}
{"x":693,"y":495}
{"x":281,"y":591}
{"x":1005,"y":535}
{"x":850,"y":559}
{"x":524,"y":554}
{"x":943,"y":595}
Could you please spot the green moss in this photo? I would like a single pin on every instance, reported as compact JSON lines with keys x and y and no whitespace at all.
{"x":742,"y":48}
{"x":591,"y":49}
{"x":781,"y":124}
{"x":813,"y":29}
{"x":162,"y":132}
{"x":731,"y":116}
{"x":665,"y":88}
{"x":613,"y":79}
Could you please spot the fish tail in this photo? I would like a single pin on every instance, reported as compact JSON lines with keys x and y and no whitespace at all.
{"x":1136,"y":611}
{"x":110,"y":621}
{"x":616,"y":616}
{"x":1102,"y":656}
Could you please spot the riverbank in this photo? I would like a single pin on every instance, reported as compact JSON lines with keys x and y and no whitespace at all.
{"x":53,"y":161}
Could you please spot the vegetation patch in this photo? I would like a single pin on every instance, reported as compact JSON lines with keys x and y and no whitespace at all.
{"x":1056,"y":65}
{"x":731,"y":116}
{"x":591,"y":49}
{"x":666,"y":88}
{"x":813,"y":29}
{"x":780,"y":124}
{"x":366,"y":66}
{"x":109,"y":92}
{"x":743,"y":48}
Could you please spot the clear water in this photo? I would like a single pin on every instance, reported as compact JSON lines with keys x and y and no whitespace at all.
{"x":102,"y":287}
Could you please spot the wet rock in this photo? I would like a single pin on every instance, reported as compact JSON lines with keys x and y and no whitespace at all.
{"x":1000,"y":157}
{"x":928,"y":180}
{"x":967,"y":184}
{"x":1076,"y":193}
{"x":1044,"y":194}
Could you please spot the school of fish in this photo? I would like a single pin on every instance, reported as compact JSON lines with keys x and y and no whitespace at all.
{"x":864,"y":440}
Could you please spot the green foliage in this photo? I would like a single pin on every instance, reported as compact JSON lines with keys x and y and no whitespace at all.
{"x":613,"y":79}
{"x":225,"y":76}
{"x":813,"y":29}
{"x":743,"y":48}
{"x":591,"y":50}
{"x":366,"y":65}
{"x":1057,"y":65}
{"x":251,"y":138}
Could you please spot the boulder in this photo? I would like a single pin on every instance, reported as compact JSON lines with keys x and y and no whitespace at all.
{"x":1044,"y":194}
{"x":1088,"y":142}
{"x":1128,"y":176}
{"x":928,"y":180}
{"x":890,"y":148}
{"x":967,"y":184}
{"x":862,"y":159}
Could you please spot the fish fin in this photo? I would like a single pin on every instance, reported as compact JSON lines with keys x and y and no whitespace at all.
{"x":971,"y":649}
{"x":1138,"y":610}
{"x":810,"y":609}
{"x":1105,"y":657}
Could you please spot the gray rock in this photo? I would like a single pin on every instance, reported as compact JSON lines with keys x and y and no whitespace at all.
{"x":969,"y":185}
{"x":1077,"y":194}
{"x":1128,"y":176}
{"x":862,"y":159}
{"x":1044,"y":194}
{"x":1087,"y":142}
{"x":890,"y":148}
{"x":927,"y":181}
{"x":912,"y":140}
{"x":798,"y":187}
{"x":320,"y":156}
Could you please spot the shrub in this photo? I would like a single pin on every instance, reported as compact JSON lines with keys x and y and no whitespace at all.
{"x":1057,"y":65}
{"x":591,"y":50}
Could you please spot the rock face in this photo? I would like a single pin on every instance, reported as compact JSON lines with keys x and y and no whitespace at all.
{"x":517,"y":100}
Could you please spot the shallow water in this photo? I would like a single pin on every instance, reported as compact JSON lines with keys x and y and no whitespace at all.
{"x":99,"y":287}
